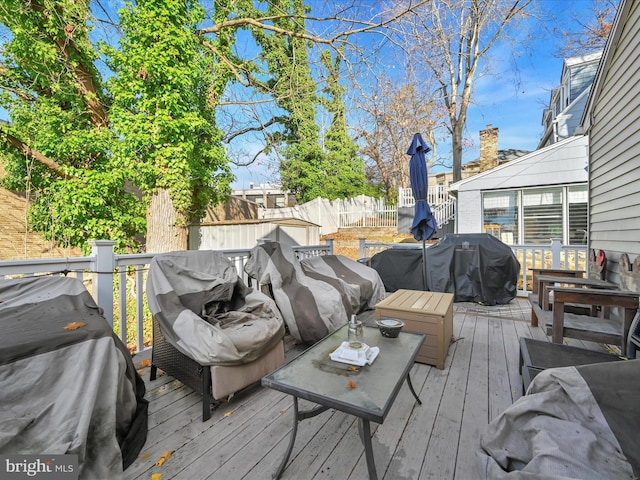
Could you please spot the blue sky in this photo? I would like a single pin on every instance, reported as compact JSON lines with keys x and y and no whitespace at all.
{"x":512,"y":99}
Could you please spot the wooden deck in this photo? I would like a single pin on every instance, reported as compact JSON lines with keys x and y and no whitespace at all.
{"x":246,"y":438}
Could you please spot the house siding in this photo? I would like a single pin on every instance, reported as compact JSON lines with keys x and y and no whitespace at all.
{"x":614,"y":166}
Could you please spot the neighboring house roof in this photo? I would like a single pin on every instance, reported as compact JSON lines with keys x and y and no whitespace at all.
{"x":557,"y":164}
{"x":567,"y":102}
{"x":504,"y":156}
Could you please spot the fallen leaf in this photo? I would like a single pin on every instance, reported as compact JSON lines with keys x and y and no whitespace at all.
{"x":145,"y":363}
{"x":74,"y":325}
{"x":156,"y":476}
{"x":228,"y":414}
{"x":352,"y":368}
{"x":145,"y":456}
{"x":282,"y":412}
{"x":351,"y":385}
{"x":164,"y":457}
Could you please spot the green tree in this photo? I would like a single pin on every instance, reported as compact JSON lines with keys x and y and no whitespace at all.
{"x":58,"y":142}
{"x":294,"y":91}
{"x":343,"y":169}
{"x":161,"y":114}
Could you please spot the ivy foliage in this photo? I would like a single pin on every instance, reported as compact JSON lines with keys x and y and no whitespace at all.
{"x":108,"y":145}
{"x":160,"y":113}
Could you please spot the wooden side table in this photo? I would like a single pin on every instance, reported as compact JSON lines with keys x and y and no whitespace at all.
{"x":430,"y":313}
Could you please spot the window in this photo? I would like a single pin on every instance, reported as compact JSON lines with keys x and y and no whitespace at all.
{"x":578,"y":197}
{"x":542,"y":215}
{"x":537,"y":215}
{"x":501,"y":215}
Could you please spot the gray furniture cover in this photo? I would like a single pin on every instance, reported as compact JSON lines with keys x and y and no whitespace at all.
{"x":400,"y":268}
{"x":474,"y":267}
{"x":66,"y":391}
{"x":317,"y":295}
{"x":574,"y":423}
{"x":205,"y":310}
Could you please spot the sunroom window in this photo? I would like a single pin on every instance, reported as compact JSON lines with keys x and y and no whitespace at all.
{"x":501,"y":215}
{"x":542,"y":215}
{"x":578,"y":201}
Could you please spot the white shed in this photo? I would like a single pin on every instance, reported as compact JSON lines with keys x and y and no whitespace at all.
{"x":246,"y":233}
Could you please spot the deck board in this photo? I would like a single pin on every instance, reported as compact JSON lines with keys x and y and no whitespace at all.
{"x":247,"y":437}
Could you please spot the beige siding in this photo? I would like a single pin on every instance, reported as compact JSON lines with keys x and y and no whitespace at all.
{"x":614,"y":170}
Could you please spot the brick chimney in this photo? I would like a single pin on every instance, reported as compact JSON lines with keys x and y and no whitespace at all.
{"x":488,"y":148}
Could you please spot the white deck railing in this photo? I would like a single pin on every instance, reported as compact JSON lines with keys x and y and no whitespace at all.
{"x":118,"y":281}
{"x":554,"y":255}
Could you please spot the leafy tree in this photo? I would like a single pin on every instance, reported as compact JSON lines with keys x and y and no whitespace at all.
{"x":58,"y":142}
{"x":294,"y":91}
{"x":343,"y":168}
{"x":163,"y":119}
{"x":141,"y":152}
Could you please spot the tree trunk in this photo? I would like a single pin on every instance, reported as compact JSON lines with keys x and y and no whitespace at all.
{"x":163,"y":231}
{"x":456,"y":147}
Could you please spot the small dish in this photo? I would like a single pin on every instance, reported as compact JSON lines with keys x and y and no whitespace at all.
{"x":390,"y":327}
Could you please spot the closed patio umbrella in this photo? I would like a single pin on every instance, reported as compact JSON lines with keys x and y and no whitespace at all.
{"x":424,"y":225}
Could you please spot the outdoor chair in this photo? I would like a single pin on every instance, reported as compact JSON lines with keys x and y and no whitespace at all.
{"x":210,"y":331}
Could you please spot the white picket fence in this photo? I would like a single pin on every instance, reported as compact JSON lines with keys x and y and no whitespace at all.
{"x":373,"y":213}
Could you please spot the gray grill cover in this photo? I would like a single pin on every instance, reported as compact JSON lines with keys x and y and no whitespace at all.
{"x":474,"y":267}
{"x":207,"y":312}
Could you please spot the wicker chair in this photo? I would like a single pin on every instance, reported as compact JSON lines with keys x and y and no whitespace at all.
{"x":199,"y":306}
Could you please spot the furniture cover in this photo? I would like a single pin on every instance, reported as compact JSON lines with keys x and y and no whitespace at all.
{"x":400,"y":268}
{"x":475,"y":267}
{"x":64,"y":390}
{"x":574,"y":423}
{"x":206,"y":311}
{"x":210,"y":331}
{"x":317,"y":295}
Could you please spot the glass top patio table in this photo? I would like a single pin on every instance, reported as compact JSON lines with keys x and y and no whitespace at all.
{"x":315,"y":377}
{"x":366,"y":392}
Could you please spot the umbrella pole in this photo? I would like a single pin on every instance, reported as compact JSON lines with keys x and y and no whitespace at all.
{"x":424,"y":264}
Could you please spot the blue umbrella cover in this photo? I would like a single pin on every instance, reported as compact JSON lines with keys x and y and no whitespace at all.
{"x":424,"y":225}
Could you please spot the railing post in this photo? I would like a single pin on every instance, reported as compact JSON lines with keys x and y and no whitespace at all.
{"x":362,"y":247}
{"x":329,"y":242}
{"x":104,"y":264}
{"x":556,"y":249}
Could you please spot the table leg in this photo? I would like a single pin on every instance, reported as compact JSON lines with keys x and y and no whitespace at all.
{"x":365,"y":433}
{"x":412,"y":390}
{"x":297,"y":416}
